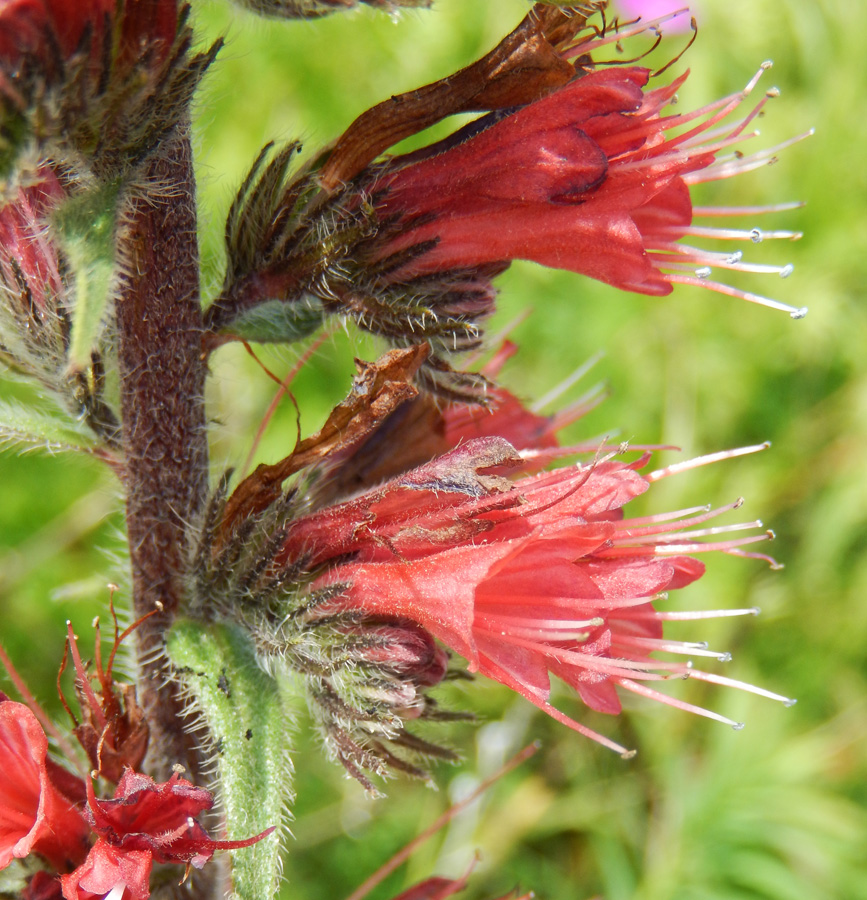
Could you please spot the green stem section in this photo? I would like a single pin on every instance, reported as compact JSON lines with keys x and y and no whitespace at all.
{"x":244,"y":713}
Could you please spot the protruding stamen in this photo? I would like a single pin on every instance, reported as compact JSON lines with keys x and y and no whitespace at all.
{"x":651,"y":694}
{"x":684,"y":648}
{"x":657,"y":518}
{"x":742,"y":686}
{"x":743,"y":554}
{"x":699,"y":533}
{"x":693,"y":615}
{"x":686,"y":547}
{"x":756,"y":235}
{"x":746,"y":210}
{"x":582,"y":729}
{"x":705,"y":271}
{"x":567,"y":383}
{"x":794,"y":312}
{"x":707,"y":459}
{"x":738,"y":164}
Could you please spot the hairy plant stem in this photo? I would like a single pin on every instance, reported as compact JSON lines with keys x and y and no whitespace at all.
{"x":162,"y":375}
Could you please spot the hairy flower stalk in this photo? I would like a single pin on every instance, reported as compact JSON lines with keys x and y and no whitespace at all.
{"x":99,"y":267}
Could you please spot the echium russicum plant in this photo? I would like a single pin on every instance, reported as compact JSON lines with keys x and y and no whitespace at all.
{"x":433,"y":526}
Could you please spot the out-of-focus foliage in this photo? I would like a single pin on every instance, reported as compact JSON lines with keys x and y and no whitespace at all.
{"x":702,"y":813}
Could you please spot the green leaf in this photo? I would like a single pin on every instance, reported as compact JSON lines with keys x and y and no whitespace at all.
{"x":276,"y":321}
{"x":20,"y":424}
{"x":86,"y":226}
{"x":246,"y":718}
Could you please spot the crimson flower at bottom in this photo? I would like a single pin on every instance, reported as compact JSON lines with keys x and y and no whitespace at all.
{"x":48,"y":812}
{"x":145,"y":822}
{"x":527,"y":578}
{"x":37,"y":813}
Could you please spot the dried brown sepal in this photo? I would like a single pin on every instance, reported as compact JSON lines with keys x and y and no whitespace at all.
{"x":113,"y":730}
{"x":121,"y":741}
{"x":378,"y":389}
{"x":523,"y":67}
{"x":413,"y":434}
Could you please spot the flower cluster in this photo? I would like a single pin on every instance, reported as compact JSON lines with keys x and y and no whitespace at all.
{"x":575,"y":166}
{"x":524,"y":575}
{"x":433,"y":515}
{"x":527,"y":578}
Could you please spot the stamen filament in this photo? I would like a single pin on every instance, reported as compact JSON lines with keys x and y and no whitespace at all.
{"x":742,"y":686}
{"x":707,"y":459}
{"x":793,"y":311}
{"x":567,"y":383}
{"x":651,"y":694}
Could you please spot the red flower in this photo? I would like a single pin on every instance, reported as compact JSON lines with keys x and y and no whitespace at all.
{"x":145,"y":822}
{"x":524,"y":579}
{"x":590,"y":178}
{"x":37,"y":814}
{"x":110,"y":872}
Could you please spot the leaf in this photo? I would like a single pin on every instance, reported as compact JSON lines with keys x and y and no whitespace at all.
{"x":86,"y":226}
{"x":22,"y":424}
{"x":249,"y":727}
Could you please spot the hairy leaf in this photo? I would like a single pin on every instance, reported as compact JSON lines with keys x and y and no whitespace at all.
{"x":25,"y":425}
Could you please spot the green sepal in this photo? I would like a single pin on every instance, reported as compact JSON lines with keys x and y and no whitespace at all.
{"x":249,"y":729}
{"x":20,"y":424}
{"x":276,"y":321}
{"x":85,"y":225}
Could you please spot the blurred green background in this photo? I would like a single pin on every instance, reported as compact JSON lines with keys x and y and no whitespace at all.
{"x":702,"y":813}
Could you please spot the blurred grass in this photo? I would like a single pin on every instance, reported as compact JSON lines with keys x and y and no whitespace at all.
{"x":775,"y":811}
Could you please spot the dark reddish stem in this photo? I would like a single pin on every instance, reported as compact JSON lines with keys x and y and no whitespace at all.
{"x":162,"y":375}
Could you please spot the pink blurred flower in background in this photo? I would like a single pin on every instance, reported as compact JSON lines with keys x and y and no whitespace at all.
{"x":653,"y":9}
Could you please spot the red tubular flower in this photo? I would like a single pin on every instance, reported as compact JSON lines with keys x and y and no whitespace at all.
{"x":44,"y":27}
{"x":590,"y":178}
{"x":523,"y":579}
{"x":36,"y":813}
{"x":573,"y":164}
